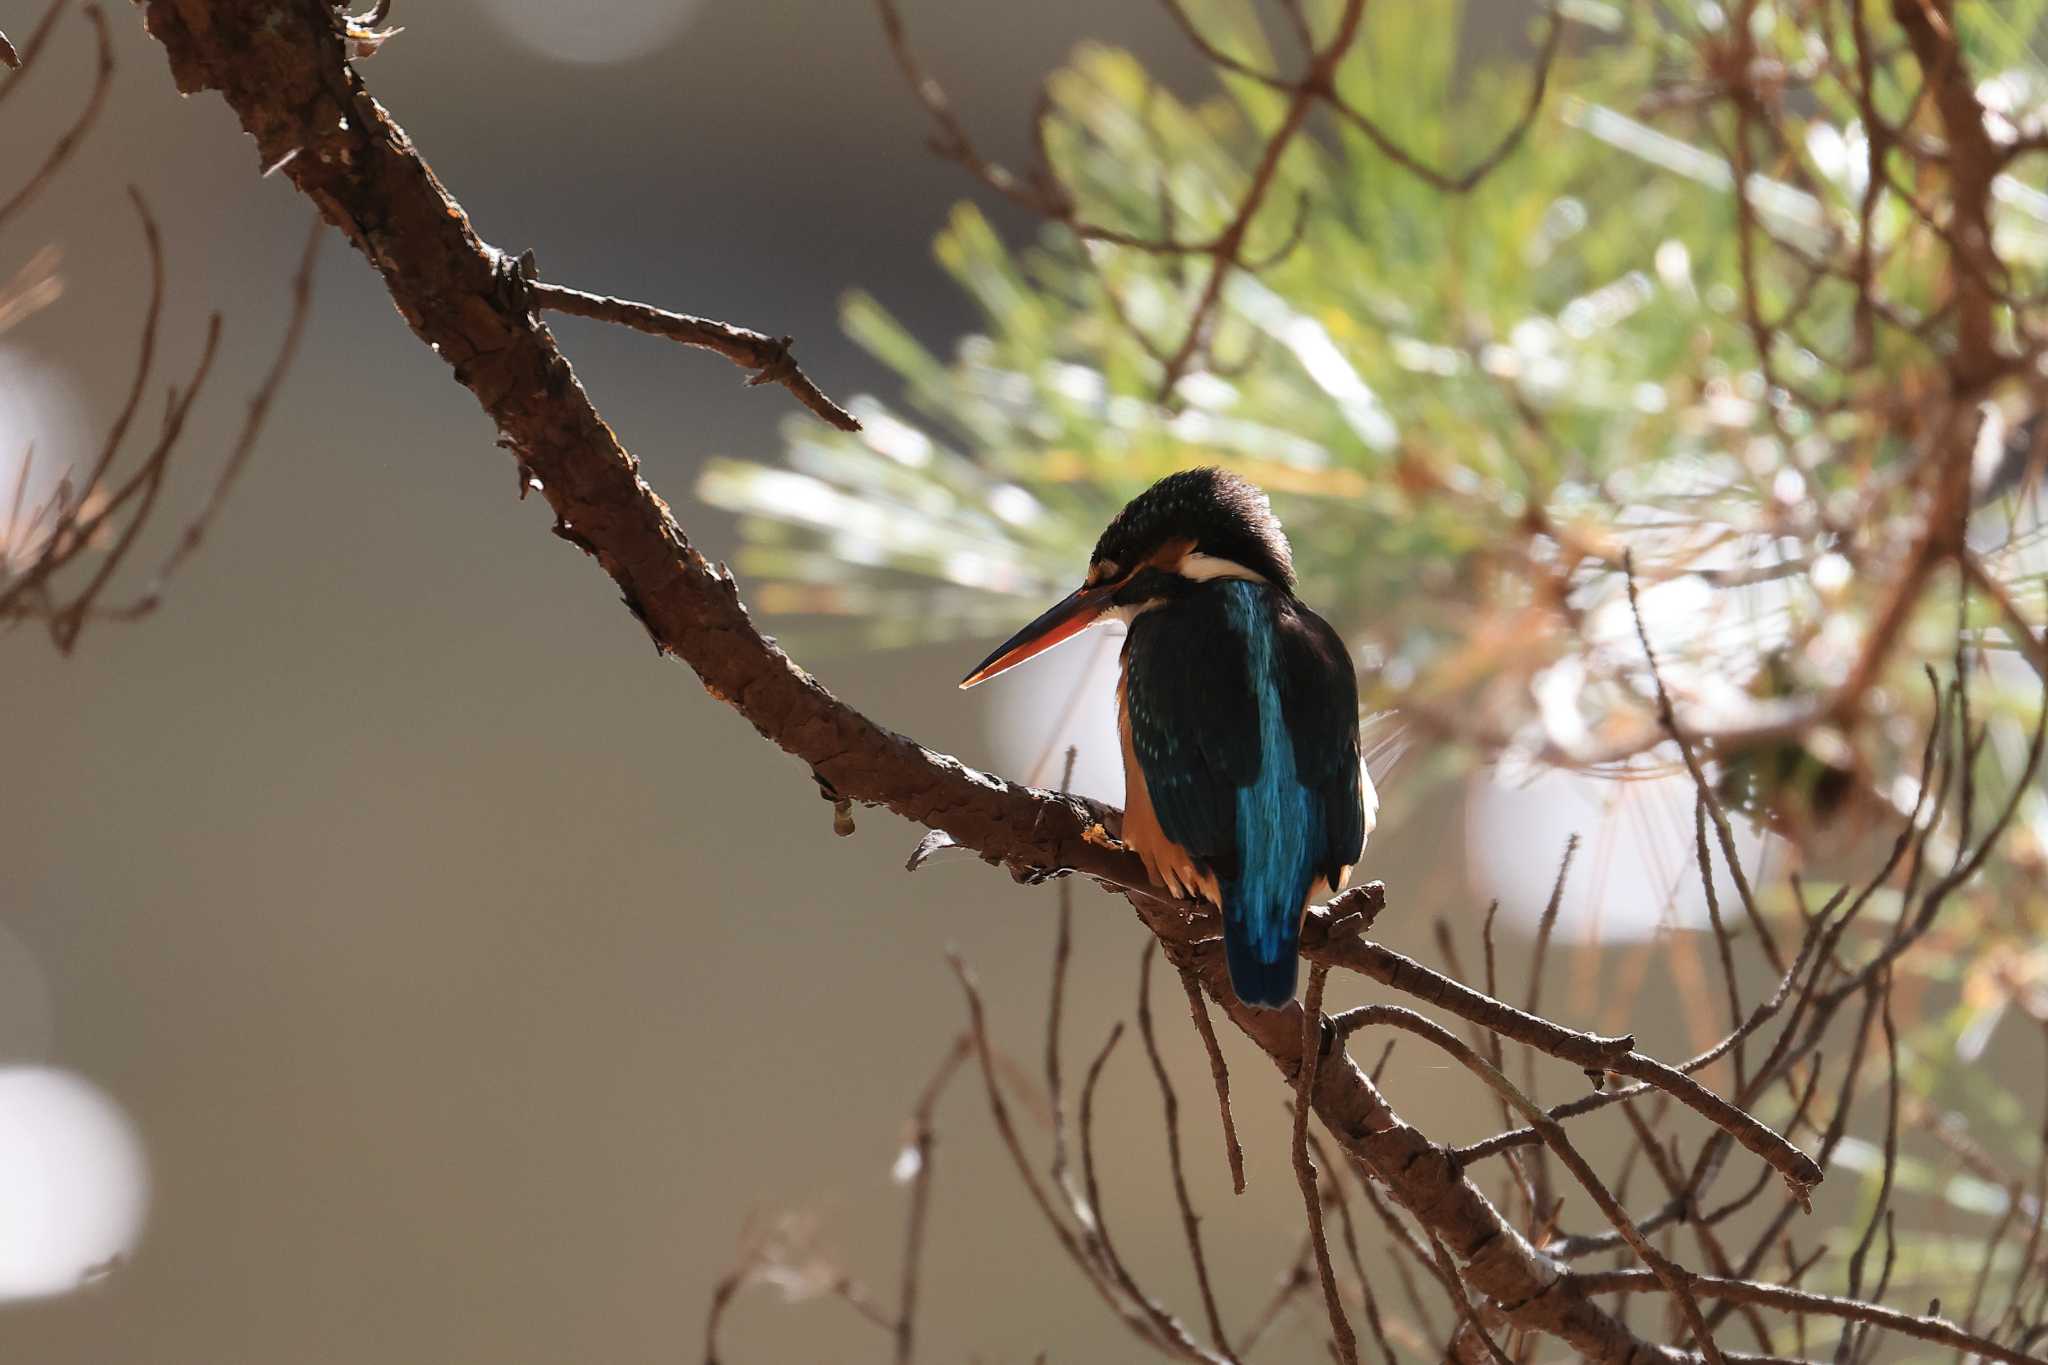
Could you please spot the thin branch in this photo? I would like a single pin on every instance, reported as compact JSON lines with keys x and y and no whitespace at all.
{"x":1461,"y":1302}
{"x":67,"y":143}
{"x":1006,"y":1128}
{"x":1925,"y":1327}
{"x":1335,"y":1184}
{"x":1590,"y":1051}
{"x":1673,"y":1277}
{"x":1062,"y":953}
{"x":1191,"y":1225}
{"x":1304,"y":1168}
{"x":1669,"y":719}
{"x":1171,"y":1335}
{"x":1546,"y":926}
{"x":31,"y":49}
{"x":923,"y":1139}
{"x":1465,"y":181}
{"x":252,"y":428}
{"x":1219,"y":1074}
{"x":770,"y":358}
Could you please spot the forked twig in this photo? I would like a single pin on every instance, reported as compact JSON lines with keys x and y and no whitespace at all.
{"x":770,"y":358}
{"x":1671,"y":1275}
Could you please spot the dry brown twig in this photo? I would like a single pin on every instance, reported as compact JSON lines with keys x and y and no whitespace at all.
{"x":104,"y":515}
{"x":97,"y":515}
{"x":918,"y":1154}
{"x":68,"y":141}
{"x":24,"y":57}
{"x":1191,"y":1225}
{"x":1311,"y":1011}
{"x":770,"y":358}
{"x":781,"y":1253}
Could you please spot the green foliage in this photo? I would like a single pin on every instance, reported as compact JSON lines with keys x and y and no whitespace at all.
{"x":1468,"y":407}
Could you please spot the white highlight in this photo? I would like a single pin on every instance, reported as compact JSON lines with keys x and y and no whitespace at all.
{"x":74,"y":1185}
{"x":594,"y":32}
{"x":42,"y":433}
{"x":1636,"y":874}
{"x":1202,"y":568}
{"x":1065,"y":696}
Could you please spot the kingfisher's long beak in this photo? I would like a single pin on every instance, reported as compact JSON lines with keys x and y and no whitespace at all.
{"x":1073,"y":614}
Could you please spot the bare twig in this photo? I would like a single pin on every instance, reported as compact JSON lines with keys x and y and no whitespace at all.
{"x":40,"y":34}
{"x":106,"y":514}
{"x":1673,"y":1277}
{"x":1463,"y":182}
{"x":1705,"y":789}
{"x":1546,"y":926}
{"x":999,"y":1110}
{"x":1062,"y":952}
{"x":252,"y":427}
{"x":67,"y":143}
{"x":1333,"y":1183}
{"x":1191,"y":1226}
{"x":1219,"y":1073}
{"x":1587,"y":1050}
{"x":1929,"y":1327}
{"x":770,"y":358}
{"x":1304,"y":1168}
{"x":919,"y":1150}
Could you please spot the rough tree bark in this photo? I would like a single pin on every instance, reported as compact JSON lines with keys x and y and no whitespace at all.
{"x":283,"y":66}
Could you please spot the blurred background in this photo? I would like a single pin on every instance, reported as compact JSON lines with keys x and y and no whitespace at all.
{"x":399,"y":961}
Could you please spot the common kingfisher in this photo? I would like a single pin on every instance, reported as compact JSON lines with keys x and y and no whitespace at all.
{"x":1238,"y":712}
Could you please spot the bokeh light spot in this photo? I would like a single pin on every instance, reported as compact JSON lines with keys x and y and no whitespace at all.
{"x":42,"y":431}
{"x":594,"y":33}
{"x":1636,"y":872}
{"x":74,"y":1185}
{"x":1065,"y":696}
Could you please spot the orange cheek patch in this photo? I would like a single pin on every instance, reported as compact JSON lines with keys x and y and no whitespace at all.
{"x":1169,"y":555}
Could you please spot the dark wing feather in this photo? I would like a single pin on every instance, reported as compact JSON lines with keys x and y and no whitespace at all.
{"x":1194,"y":723}
{"x":1319,"y":696}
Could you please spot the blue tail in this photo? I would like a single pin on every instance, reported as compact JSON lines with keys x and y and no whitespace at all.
{"x":1279,"y":831}
{"x":1263,"y":967}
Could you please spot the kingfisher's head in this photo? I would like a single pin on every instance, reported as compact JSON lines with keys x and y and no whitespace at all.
{"x":1188,"y":528}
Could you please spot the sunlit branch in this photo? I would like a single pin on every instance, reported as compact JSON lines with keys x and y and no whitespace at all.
{"x":768,"y":357}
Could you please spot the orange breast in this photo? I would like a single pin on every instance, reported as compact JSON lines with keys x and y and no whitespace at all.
{"x":1166,"y":862}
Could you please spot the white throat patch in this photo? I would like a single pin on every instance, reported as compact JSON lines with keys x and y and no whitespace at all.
{"x":1128,"y":612}
{"x":1201,"y":568}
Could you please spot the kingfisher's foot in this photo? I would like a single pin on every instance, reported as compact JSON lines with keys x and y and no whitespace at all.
{"x":1098,"y":835}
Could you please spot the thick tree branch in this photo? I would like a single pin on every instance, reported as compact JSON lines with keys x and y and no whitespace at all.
{"x":282,"y":66}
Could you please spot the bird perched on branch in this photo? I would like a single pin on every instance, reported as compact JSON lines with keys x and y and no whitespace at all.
{"x":1238,"y":709}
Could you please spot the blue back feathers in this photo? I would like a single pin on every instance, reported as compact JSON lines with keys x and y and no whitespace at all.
{"x":1243,"y":713}
{"x":1280,"y":833}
